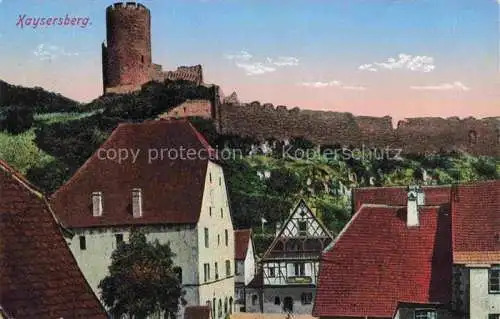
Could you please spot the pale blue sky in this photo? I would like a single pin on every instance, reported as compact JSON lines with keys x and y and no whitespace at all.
{"x":328,"y":40}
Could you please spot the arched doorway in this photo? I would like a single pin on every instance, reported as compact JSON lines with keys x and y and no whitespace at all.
{"x":230,"y":305}
{"x":288,"y":304}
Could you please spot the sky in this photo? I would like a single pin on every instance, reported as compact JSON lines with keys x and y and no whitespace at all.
{"x":402,"y":58}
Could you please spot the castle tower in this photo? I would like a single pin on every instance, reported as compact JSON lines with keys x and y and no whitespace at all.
{"x":126,"y":57}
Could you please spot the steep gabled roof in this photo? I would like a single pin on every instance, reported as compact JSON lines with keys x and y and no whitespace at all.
{"x":172,"y":186}
{"x":320,"y":224}
{"x":377,"y":261}
{"x":397,"y":196}
{"x":39,"y":277}
{"x":476,"y":222}
{"x":242,"y":238}
{"x":376,"y":254}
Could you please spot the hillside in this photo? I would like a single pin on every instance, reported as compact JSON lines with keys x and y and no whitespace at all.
{"x":263,"y":181}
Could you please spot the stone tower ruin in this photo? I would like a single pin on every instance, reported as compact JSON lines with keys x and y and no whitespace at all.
{"x":126,"y":55}
{"x":126,"y":59}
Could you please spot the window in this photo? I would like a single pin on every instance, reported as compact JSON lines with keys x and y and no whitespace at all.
{"x":254,"y":300}
{"x":299,"y":269}
{"x":178,"y":272}
{"x":277,"y":300}
{"x":228,"y":268}
{"x":425,"y":314}
{"x":210,"y":177}
{"x":206,"y":237}
{"x":206,"y":270}
{"x":220,"y":181}
{"x":494,"y":280}
{"x":210,"y":211}
{"x":302,"y":228}
{"x":494,"y":316}
{"x":216,"y":271}
{"x":272,"y":272}
{"x":119,"y":239}
{"x":226,"y":237}
{"x":306,"y":298}
{"x":83,"y":243}
{"x":220,"y":308}
{"x":225,"y":306}
{"x":142,"y":58}
{"x":221,"y":213}
{"x":236,"y":269}
{"x":218,"y":240}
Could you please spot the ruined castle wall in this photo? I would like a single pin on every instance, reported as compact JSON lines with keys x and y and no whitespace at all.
{"x":425,"y":135}
{"x":415,"y":136}
{"x":190,"y":108}
{"x":128,"y":49}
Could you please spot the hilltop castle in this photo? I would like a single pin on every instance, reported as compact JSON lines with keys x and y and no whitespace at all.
{"x":127,"y":65}
{"x":126,"y":55}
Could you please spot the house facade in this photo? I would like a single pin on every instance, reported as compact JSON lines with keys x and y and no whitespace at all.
{"x":440,"y":243}
{"x":244,"y":260}
{"x":289,"y":269}
{"x":39,"y":276}
{"x":171,"y":196}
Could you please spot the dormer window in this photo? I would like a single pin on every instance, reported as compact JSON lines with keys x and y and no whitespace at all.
{"x":97,"y":204}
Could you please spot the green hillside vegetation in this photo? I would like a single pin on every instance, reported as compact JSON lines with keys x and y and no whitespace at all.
{"x":49,"y":147}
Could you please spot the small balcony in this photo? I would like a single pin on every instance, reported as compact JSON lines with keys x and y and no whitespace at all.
{"x":299,"y":280}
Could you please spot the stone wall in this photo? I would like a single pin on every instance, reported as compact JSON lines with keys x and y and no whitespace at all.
{"x":414,"y":135}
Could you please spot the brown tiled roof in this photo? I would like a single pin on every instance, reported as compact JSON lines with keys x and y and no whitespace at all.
{"x":476,"y":222}
{"x":39,"y":277}
{"x":172,"y":187}
{"x":241,"y":240}
{"x":197,"y":312}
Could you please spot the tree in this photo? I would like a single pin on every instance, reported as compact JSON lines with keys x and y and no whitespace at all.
{"x":142,"y":279}
{"x":18,"y":119}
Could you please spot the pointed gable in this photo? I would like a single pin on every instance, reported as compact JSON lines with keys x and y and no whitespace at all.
{"x":302,"y":233}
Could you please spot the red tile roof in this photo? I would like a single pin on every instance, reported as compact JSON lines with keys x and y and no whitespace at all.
{"x":367,"y":273}
{"x":476,"y":223}
{"x":172,"y":188}
{"x":397,"y":196}
{"x":376,"y":254}
{"x":197,"y":312}
{"x":242,"y":238}
{"x":39,"y":277}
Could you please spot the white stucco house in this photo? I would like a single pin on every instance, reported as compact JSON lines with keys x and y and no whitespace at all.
{"x":244,"y":260}
{"x":415,"y":253}
{"x":162,"y":177}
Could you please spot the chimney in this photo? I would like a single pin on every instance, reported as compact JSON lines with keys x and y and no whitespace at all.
{"x":97,"y":204}
{"x":412,"y":218}
{"x":137,"y":202}
{"x":420,"y":196}
{"x":278,"y":228}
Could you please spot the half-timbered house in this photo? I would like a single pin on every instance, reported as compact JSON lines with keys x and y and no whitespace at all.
{"x":289,"y":268}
